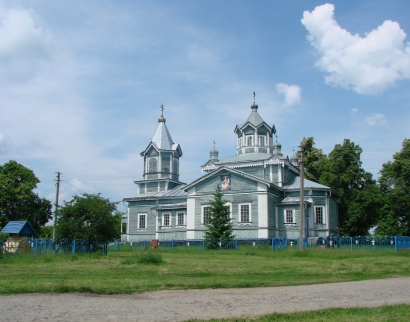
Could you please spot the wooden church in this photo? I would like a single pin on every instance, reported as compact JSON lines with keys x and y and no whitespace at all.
{"x":260,"y":184}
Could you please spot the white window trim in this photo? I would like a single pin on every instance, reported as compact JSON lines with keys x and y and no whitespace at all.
{"x":323,"y":215}
{"x":262,"y":138}
{"x":239,"y":214}
{"x":293,"y":216}
{"x":177,"y":217}
{"x":202,"y":214}
{"x":163,"y":226}
{"x":252,"y":139}
{"x":146,"y":221}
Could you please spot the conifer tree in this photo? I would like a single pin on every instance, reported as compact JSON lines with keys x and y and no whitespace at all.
{"x":219,"y":223}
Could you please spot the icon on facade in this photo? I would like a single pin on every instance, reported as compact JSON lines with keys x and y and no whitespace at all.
{"x":225,"y":182}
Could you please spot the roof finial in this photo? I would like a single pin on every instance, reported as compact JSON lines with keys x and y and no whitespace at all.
{"x":254,"y":94}
{"x":214,"y":143}
{"x":162,"y":118}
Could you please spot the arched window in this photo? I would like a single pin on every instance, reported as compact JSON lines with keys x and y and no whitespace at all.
{"x":152,"y":165}
{"x":175,"y":166}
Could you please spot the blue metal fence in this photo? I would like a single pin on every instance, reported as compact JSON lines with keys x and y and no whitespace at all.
{"x":43,"y":246}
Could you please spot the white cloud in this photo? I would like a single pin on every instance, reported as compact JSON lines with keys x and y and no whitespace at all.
{"x":354,"y":110}
{"x":367,"y":65}
{"x":20,"y":37}
{"x":292,"y":93}
{"x":375,"y":119}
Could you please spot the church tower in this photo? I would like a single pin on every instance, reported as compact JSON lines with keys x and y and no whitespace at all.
{"x":255,"y":136}
{"x":161,"y":161}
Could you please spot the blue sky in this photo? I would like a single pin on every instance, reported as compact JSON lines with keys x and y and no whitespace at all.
{"x":81,"y":82}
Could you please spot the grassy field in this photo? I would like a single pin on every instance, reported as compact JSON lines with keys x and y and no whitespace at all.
{"x":123,"y":272}
{"x":380,"y":314}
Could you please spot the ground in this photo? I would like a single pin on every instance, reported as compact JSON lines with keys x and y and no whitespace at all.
{"x":202,"y":304}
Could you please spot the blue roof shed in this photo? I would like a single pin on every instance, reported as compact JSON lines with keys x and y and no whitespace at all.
{"x":19,"y":228}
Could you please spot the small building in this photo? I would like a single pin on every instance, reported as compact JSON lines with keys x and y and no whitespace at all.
{"x":17,"y":242}
{"x":260,"y":184}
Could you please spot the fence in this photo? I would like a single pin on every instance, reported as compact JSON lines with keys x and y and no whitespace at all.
{"x":393,"y":243}
{"x":43,"y":246}
{"x":46,"y":246}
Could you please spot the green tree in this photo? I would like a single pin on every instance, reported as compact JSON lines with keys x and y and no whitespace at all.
{"x":395,"y":186}
{"x":360,"y":197}
{"x":88,"y":216}
{"x":45,"y":232}
{"x":314,"y":159}
{"x":219,"y":223}
{"x":18,"y":201}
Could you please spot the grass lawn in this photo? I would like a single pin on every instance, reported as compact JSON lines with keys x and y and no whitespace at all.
{"x":384,"y":313}
{"x":123,"y":272}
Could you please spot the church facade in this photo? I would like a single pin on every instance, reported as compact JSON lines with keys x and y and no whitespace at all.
{"x":261,"y":187}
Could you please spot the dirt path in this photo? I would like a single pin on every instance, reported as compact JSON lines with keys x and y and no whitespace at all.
{"x":204,"y":304}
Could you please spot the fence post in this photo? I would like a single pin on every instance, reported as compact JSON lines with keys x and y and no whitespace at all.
{"x":36,"y":248}
{"x":236,"y":244}
{"x":203,"y":245}
{"x":351,"y":243}
{"x":172,"y":243}
{"x":73,"y":246}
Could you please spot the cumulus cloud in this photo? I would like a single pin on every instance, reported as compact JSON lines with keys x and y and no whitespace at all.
{"x":354,"y":110}
{"x":367,"y":65}
{"x":292,"y":93}
{"x":375,"y":119}
{"x":20,"y":36}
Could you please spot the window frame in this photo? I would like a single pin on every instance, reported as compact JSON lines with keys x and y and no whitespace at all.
{"x":139,"y":220}
{"x":262,"y":140}
{"x":249,"y":138}
{"x":285,"y":212}
{"x":169,"y":219}
{"x":203,"y":214}
{"x":322,"y":214}
{"x":183,"y":219}
{"x":240,"y":218}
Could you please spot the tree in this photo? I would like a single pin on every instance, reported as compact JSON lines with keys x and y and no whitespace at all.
{"x":360,"y":197}
{"x":219,"y":223}
{"x":314,"y":159}
{"x":395,"y":186}
{"x":88,"y":216}
{"x":18,"y":201}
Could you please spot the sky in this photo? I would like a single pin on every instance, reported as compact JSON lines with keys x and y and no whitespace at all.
{"x":82,"y":82}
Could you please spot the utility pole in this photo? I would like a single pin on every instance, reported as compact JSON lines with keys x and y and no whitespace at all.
{"x":56,"y":204}
{"x":302,"y":198}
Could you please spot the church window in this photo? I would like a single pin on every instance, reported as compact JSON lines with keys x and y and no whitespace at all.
{"x":175,"y":166}
{"x":245,"y":212}
{"x":181,"y":219}
{"x":166,"y":220}
{"x":152,"y":165}
{"x":239,"y":142}
{"x":124,"y":228}
{"x":166,"y":163}
{"x":142,"y":221}
{"x":262,"y":140}
{"x":206,"y":214}
{"x":289,"y":216}
{"x":319,"y":218}
{"x":249,"y":140}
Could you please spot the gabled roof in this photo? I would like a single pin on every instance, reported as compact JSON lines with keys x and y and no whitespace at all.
{"x":172,"y":193}
{"x":19,"y":228}
{"x":294,"y":183}
{"x":162,"y":138}
{"x":226,"y":169}
{"x":254,"y":118}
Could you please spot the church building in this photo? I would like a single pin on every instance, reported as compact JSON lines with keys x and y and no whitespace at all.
{"x":260,"y":184}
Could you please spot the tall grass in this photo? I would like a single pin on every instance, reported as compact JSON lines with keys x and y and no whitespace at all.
{"x":142,"y":270}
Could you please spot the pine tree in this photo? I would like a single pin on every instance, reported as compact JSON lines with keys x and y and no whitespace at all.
{"x":219,"y":223}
